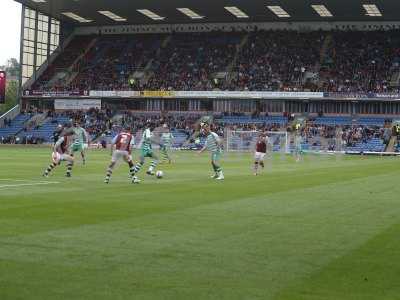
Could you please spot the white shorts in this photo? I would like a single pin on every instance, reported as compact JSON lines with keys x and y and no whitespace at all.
{"x":259,"y":156}
{"x":120,"y":154}
{"x":58,"y":157}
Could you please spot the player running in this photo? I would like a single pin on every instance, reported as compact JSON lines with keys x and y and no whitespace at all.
{"x":261,"y":150}
{"x":166,"y":143}
{"x":297,"y":143}
{"x":214,"y":145}
{"x":121,"y":148}
{"x":60,"y":153}
{"x":81,"y":141}
{"x":146,"y":150}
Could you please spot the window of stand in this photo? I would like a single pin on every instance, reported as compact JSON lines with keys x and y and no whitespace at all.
{"x":41,"y":36}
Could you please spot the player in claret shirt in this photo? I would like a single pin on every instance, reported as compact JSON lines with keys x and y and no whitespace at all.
{"x":60,"y":153}
{"x":121,"y":148}
{"x":261,"y":150}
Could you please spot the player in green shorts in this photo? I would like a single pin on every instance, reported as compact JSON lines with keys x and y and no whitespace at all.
{"x":214,"y":145}
{"x":165,"y":145}
{"x":297,"y":143}
{"x":81,"y":141}
{"x":146,"y":151}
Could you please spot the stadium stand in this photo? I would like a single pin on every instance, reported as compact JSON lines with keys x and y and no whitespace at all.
{"x":361,"y":61}
{"x":280,"y":120}
{"x":273,"y":60}
{"x":363,"y":134}
{"x":190,"y":61}
{"x":14,"y":127}
{"x":333,"y":120}
{"x":112,"y":61}
{"x":257,"y":61}
{"x":45,"y":130}
{"x":67,"y":59}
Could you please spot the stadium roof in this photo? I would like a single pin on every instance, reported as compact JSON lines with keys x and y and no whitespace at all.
{"x":111,"y":12}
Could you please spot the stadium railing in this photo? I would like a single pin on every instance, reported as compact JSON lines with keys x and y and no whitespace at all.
{"x":11,"y":114}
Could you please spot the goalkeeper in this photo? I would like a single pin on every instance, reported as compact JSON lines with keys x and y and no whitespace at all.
{"x":214,"y":145}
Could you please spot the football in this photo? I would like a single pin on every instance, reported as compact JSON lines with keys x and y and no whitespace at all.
{"x":159,"y":174}
{"x":56,"y":157}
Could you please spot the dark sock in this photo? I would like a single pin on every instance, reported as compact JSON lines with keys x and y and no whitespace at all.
{"x":108,"y":175}
{"x":50,"y":168}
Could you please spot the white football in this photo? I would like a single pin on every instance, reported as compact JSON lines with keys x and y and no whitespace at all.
{"x":56,"y":156}
{"x":159,"y":174}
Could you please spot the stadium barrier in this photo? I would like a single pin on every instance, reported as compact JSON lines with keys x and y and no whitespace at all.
{"x":214,"y":95}
{"x":11,"y":114}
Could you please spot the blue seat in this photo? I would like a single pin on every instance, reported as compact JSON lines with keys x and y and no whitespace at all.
{"x":16,"y":125}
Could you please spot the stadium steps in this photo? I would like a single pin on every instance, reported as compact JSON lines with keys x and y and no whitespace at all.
{"x":71,"y":78}
{"x":231,"y":67}
{"x":70,"y":72}
{"x":60,"y":75}
{"x":325,"y":47}
{"x":89,"y":47}
{"x":148,"y":69}
{"x":395,"y":79}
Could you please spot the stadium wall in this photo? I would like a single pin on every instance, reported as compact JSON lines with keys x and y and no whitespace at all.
{"x":278,"y":106}
{"x":229,"y":27}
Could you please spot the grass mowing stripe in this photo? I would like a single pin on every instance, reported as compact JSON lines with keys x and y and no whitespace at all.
{"x":186,"y":236}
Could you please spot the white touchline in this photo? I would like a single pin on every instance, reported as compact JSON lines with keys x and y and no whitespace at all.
{"x":27,"y":184}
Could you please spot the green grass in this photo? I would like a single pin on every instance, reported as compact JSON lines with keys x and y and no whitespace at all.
{"x":324,"y":228}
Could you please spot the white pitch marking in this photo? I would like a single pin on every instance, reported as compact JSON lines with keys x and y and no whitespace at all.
{"x":15,"y":180}
{"x":27,"y":184}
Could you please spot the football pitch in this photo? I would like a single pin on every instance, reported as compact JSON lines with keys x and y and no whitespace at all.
{"x":327,"y":227}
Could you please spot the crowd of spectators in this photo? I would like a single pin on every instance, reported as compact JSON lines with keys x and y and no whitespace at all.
{"x":344,"y":136}
{"x":63,"y":61}
{"x":334,"y":61}
{"x":191,"y":61}
{"x":13,"y":139}
{"x":272,"y":60}
{"x":94,"y":120}
{"x":356,"y":134}
{"x":107,"y":121}
{"x":7,"y":122}
{"x":361,"y":61}
{"x":110,"y":64}
{"x":183,"y":123}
